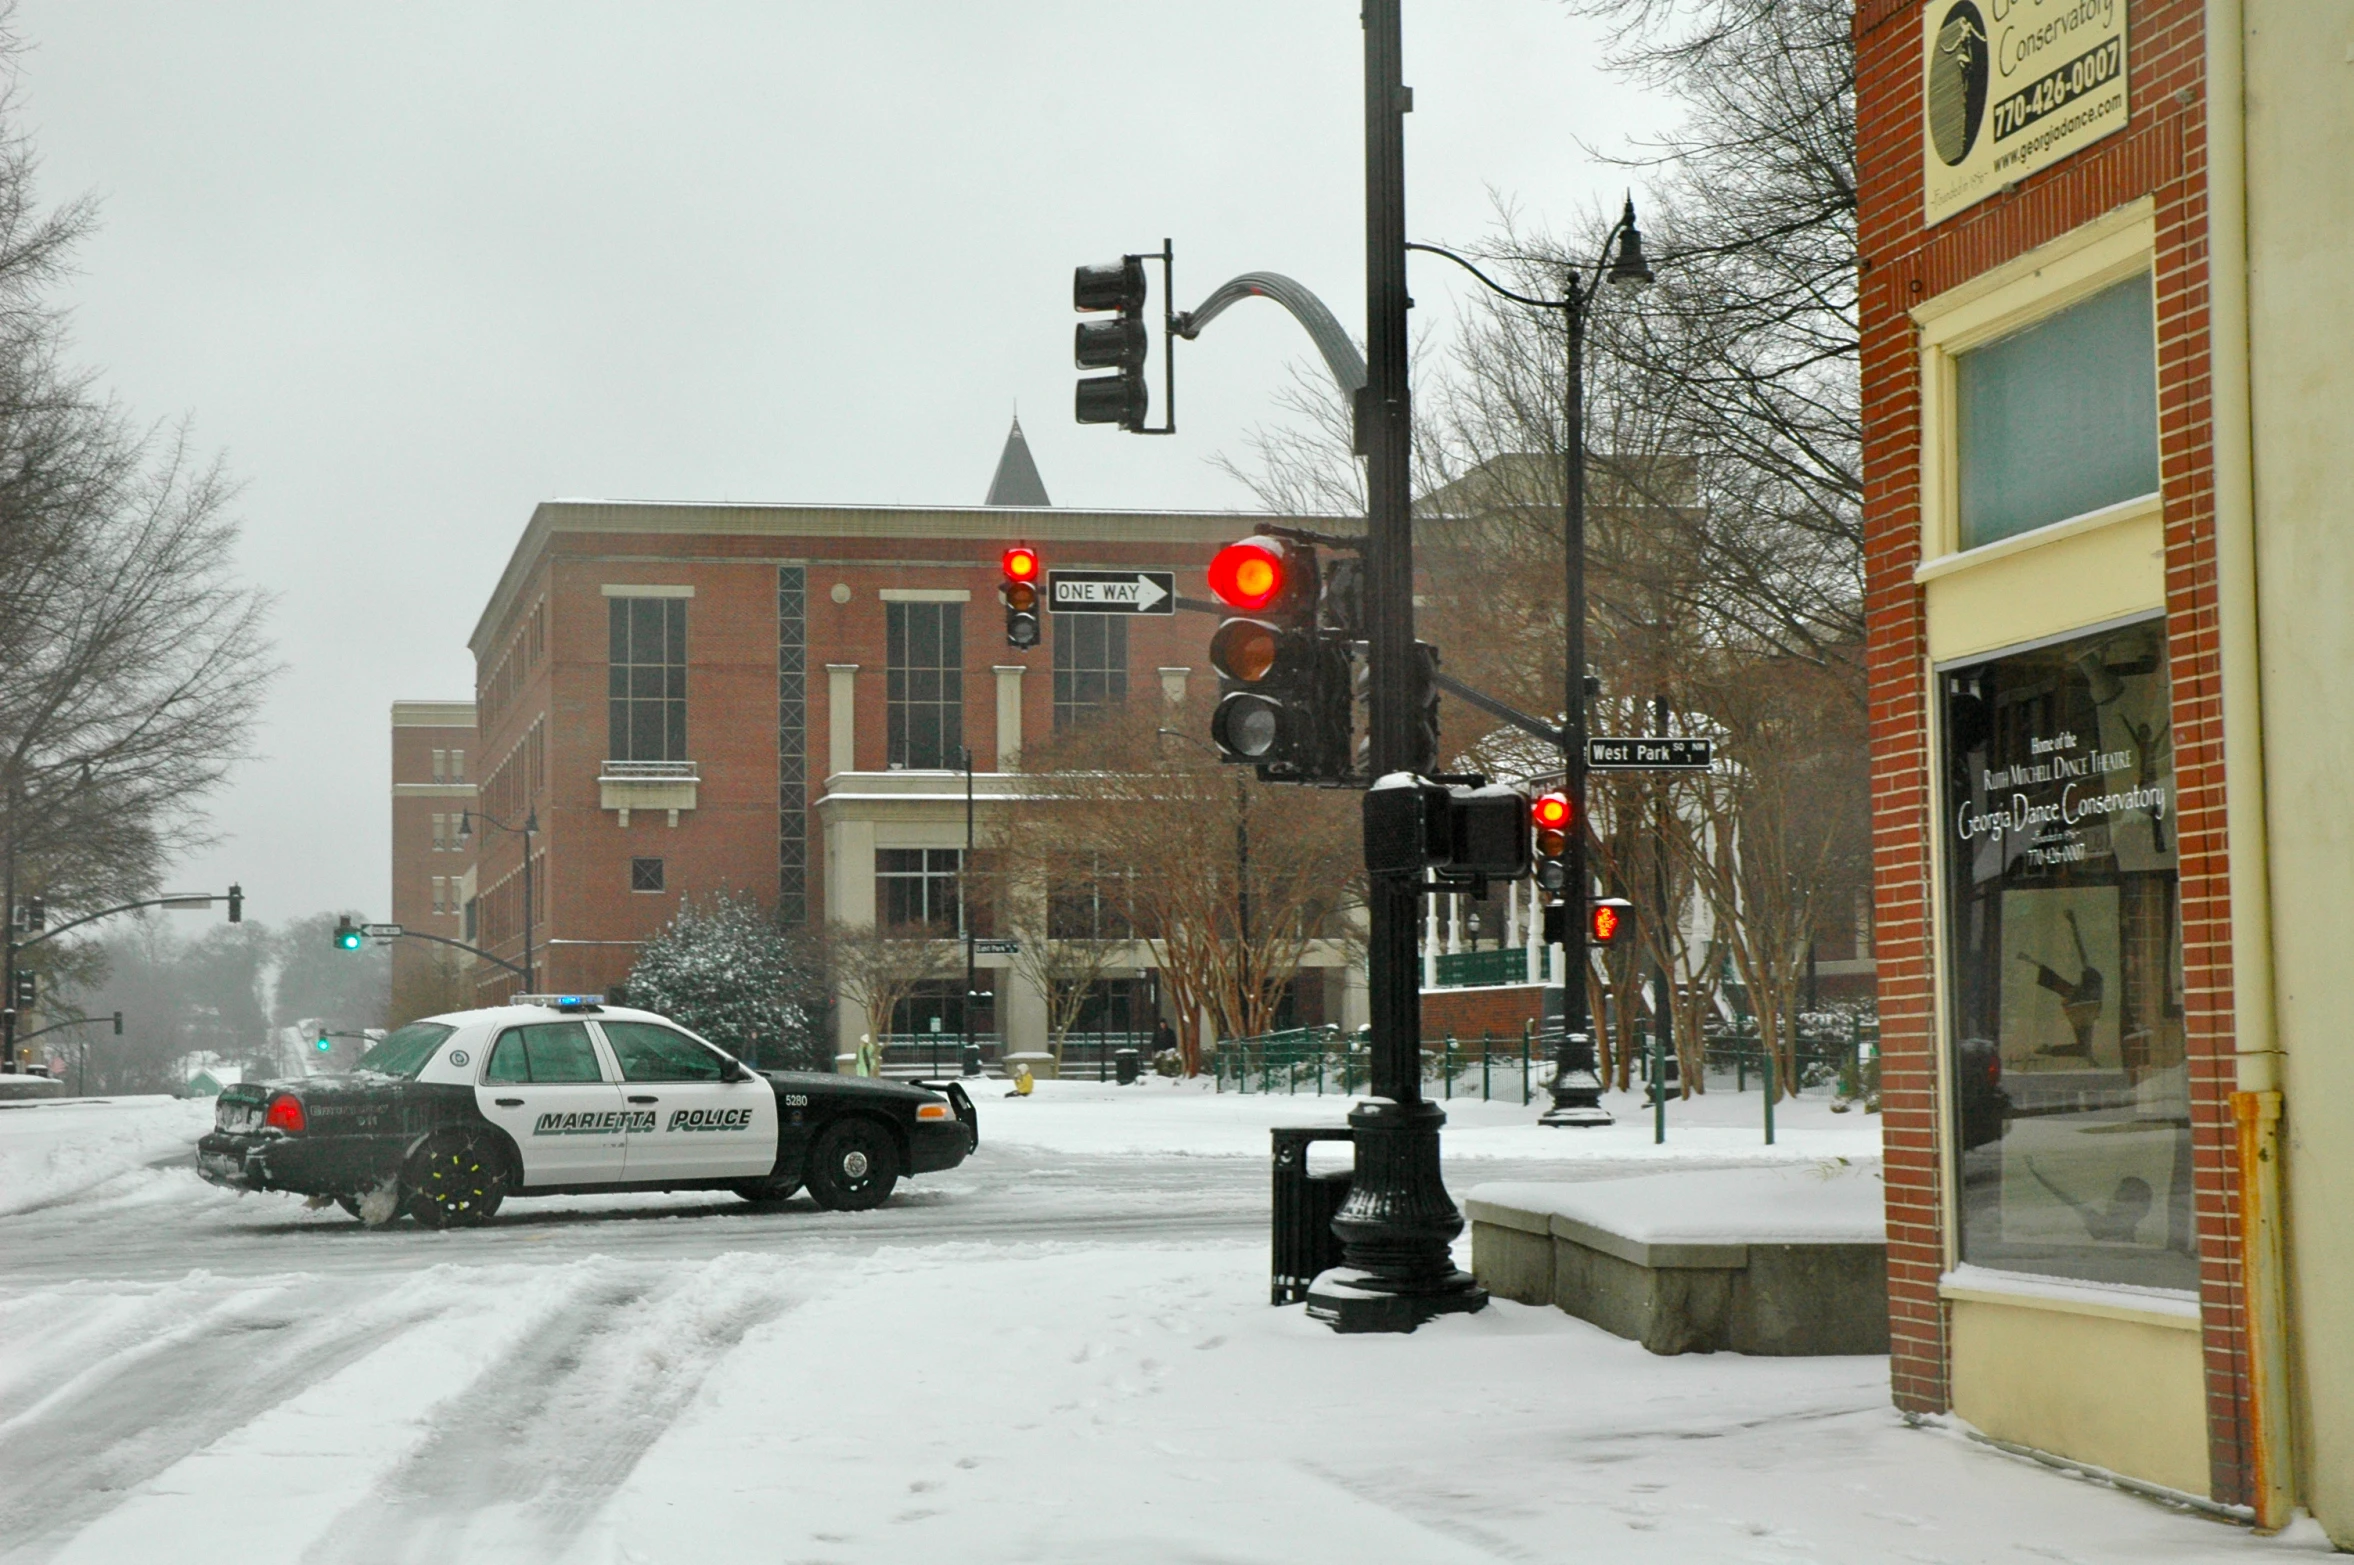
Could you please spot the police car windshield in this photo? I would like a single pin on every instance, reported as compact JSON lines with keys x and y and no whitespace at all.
{"x":405,"y":1050}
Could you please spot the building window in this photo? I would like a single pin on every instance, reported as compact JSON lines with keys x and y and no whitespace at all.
{"x":2071,"y":1098}
{"x":1087,"y":900}
{"x":645,"y":874}
{"x":916,"y":888}
{"x":924,"y":685}
{"x":441,"y":765}
{"x":441,"y":830}
{"x":457,"y":766}
{"x":1090,"y":665}
{"x":2060,"y":418}
{"x":646,"y":679}
{"x":441,"y":894}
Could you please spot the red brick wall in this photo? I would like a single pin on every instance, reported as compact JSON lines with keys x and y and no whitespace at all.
{"x":1469,"y":1013}
{"x":2161,"y":154}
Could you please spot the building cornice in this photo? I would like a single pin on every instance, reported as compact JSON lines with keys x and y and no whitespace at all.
{"x":433,"y":714}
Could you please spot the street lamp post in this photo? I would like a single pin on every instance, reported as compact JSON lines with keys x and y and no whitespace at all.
{"x":1577,"y":1086}
{"x":528,"y":830}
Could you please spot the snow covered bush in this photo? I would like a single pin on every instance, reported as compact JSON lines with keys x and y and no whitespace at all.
{"x":724,"y":967}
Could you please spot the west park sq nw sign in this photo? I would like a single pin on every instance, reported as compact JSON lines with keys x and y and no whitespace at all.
{"x":2012,"y":86}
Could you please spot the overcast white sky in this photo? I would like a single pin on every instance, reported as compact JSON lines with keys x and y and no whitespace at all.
{"x":414,"y":268}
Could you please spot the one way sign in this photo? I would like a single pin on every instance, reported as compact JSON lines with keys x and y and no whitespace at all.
{"x":1112,"y":592}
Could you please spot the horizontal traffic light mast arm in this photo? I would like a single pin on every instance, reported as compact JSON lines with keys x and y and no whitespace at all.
{"x":1340,"y":353}
{"x":1535,"y":727}
{"x":71,"y":1021}
{"x":181,"y":899}
{"x":444,"y":940}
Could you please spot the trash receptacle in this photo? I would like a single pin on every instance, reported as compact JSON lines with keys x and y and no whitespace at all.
{"x":1305,"y":1205}
{"x":972,"y":1059}
{"x":1124,"y":1066}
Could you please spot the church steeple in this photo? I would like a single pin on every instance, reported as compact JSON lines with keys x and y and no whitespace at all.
{"x":1017,"y":481}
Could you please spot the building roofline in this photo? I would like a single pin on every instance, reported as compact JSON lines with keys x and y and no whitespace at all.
{"x":433,"y":714}
{"x":994,"y":524}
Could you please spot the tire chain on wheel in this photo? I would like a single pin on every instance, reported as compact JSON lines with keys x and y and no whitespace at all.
{"x":488,"y":1193}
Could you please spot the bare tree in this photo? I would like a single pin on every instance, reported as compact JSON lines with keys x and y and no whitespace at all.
{"x":1069,"y":914}
{"x":876,"y":967}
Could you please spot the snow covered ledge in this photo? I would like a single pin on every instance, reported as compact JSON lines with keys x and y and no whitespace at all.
{"x":1754,"y":1260}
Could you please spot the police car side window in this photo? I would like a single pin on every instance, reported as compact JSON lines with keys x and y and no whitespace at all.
{"x":507,"y":1060}
{"x":651,"y":1053}
{"x":561,"y":1051}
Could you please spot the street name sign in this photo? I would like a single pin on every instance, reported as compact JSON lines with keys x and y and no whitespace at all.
{"x":1112,"y":592}
{"x":1650,"y":755}
{"x":382,"y":931}
{"x":997,"y":948}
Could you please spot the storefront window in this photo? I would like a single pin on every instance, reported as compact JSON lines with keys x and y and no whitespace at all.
{"x":2060,"y":418}
{"x":2070,"y":1103}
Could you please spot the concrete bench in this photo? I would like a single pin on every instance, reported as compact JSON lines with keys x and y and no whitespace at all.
{"x":1781,"y":1261}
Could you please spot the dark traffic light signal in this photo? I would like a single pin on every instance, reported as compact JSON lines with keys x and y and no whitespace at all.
{"x":1413,"y":824}
{"x":1118,"y":344}
{"x":236,"y":903}
{"x":1019,"y":593}
{"x":32,"y":913}
{"x":27,"y":992}
{"x":348,"y":937}
{"x":1283,"y":684}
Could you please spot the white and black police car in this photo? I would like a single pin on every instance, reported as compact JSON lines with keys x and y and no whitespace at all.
{"x":564,"y":1095}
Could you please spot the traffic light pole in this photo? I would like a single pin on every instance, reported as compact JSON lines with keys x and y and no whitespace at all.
{"x":1398,"y":1225}
{"x":15,"y":947}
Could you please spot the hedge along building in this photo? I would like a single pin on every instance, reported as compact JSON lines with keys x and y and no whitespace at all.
{"x":772,"y":699}
{"x":2108,"y":457}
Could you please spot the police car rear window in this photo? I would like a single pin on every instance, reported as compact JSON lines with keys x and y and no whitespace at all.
{"x":405,"y":1050}
{"x":544,"y":1051}
{"x":651,"y":1053}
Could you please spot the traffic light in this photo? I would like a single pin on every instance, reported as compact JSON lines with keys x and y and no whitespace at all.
{"x":1553,"y":817}
{"x":1019,"y":593}
{"x":347,"y":935}
{"x":1610,"y":921}
{"x":1283,"y":686}
{"x":236,"y":903}
{"x":118,"y":1024}
{"x":1465,"y":834}
{"x":32,"y":913}
{"x":1118,"y":344}
{"x":26,"y":994}
{"x":323,"y":1043}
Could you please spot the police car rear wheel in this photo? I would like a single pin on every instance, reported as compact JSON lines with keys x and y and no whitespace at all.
{"x":854,"y":1167}
{"x":455,"y":1180}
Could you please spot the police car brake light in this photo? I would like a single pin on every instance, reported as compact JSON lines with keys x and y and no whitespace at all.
{"x":286,"y":1114}
{"x":562,"y":1002}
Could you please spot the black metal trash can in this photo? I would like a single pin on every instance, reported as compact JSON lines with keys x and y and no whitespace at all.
{"x":1124,"y":1067}
{"x":1305,"y":1205}
{"x":972,"y":1059}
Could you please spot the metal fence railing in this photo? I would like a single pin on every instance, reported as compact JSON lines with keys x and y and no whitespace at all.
{"x":935,"y":1053}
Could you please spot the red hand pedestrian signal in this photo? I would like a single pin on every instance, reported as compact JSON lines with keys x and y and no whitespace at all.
{"x":1609,"y":920}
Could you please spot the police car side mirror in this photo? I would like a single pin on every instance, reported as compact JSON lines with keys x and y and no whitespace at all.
{"x":734,"y":1070}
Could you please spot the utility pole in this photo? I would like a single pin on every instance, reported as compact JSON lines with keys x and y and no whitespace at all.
{"x":964,"y":916}
{"x":1398,"y":1223}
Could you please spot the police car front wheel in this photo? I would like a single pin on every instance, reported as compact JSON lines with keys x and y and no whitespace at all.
{"x":456,"y":1179}
{"x":854,"y":1166}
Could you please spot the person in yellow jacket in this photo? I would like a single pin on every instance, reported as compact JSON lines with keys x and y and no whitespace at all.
{"x":1022,"y":1082}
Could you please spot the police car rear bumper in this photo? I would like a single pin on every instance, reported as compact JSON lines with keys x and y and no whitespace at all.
{"x":311,"y":1165}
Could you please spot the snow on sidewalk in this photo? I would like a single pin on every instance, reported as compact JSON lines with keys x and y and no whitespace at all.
{"x":1139,"y":1406}
{"x":58,"y":1148}
{"x":1189,"y":1118}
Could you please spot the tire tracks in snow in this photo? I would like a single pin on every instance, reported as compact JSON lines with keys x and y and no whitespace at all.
{"x":522,"y":1459}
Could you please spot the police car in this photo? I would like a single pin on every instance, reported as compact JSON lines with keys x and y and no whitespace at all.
{"x":564,"y":1095}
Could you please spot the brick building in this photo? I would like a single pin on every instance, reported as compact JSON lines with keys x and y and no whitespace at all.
{"x":2108,"y":453}
{"x":676,"y":699}
{"x":432,"y":865}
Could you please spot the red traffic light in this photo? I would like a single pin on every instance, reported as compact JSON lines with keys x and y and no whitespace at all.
{"x":1021,"y":563}
{"x":1551,"y":812}
{"x":1250,"y":574}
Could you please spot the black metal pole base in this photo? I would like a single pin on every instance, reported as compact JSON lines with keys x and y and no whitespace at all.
{"x":1577,"y":1090}
{"x":1397,"y":1228}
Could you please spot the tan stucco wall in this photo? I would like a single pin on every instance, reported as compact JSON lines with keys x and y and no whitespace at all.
{"x":2120,"y":1394}
{"x":2300,"y":88}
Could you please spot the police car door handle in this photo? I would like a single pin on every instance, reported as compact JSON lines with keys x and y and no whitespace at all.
{"x":508,"y":1103}
{"x":638,"y":1098}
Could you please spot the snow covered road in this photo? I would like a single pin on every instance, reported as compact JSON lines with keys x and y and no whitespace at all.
{"x":1059,"y":1352}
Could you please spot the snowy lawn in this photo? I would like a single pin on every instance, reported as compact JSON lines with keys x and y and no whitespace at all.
{"x":1188,"y":1118}
{"x":60,"y":1148}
